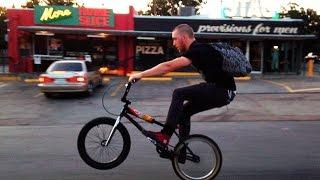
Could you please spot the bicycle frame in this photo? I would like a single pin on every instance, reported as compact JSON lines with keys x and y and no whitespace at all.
{"x":127,"y":111}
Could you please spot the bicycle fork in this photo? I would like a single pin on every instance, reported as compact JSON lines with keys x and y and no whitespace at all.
{"x":113,"y":129}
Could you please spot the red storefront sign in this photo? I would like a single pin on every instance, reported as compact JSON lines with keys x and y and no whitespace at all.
{"x":96,"y":17}
{"x":65,"y":15}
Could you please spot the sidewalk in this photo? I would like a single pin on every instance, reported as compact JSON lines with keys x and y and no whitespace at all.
{"x":280,"y":84}
{"x":276,"y":83}
{"x":26,"y":77}
{"x":262,"y":98}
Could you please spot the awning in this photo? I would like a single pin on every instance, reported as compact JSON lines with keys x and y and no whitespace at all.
{"x":76,"y":30}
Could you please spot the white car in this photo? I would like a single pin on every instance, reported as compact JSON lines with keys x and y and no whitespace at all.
{"x":69,"y":76}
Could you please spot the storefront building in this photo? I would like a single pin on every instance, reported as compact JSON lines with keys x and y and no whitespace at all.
{"x":270,"y":45}
{"x":128,"y":42}
{"x":46,"y":33}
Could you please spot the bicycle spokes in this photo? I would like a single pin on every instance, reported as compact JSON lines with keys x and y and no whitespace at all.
{"x":197,"y":157}
{"x":194,"y":158}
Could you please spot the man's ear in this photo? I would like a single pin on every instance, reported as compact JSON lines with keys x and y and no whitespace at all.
{"x":184,"y":37}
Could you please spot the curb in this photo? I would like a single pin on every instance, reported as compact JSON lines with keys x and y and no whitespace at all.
{"x":10,"y":78}
{"x":166,"y":77}
{"x":183,"y":74}
{"x":31,"y":80}
{"x":246,"y":78}
{"x":157,"y":79}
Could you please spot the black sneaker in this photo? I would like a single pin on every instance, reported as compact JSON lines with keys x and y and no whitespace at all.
{"x":159,"y":137}
{"x":182,"y":156}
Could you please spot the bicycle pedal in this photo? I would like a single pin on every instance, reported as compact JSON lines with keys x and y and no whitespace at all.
{"x":152,"y":141}
{"x":165,"y":154}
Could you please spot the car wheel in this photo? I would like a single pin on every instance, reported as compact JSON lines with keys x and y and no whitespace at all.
{"x":90,"y":88}
{"x":48,"y":95}
{"x":100,"y":83}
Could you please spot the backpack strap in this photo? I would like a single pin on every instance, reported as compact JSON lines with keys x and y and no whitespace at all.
{"x":231,"y":95}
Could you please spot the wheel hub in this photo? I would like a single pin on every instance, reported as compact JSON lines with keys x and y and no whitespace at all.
{"x":104,"y":143}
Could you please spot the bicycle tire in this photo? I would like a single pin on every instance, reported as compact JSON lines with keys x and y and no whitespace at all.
{"x":205,"y":148}
{"x":121,"y":134}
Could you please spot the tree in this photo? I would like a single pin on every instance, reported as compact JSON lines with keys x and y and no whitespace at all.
{"x":170,"y":7}
{"x":3,"y":13}
{"x":32,"y":3}
{"x":3,"y":27}
{"x":310,"y":17}
{"x":311,"y":24}
{"x":60,"y":2}
{"x":312,"y":21}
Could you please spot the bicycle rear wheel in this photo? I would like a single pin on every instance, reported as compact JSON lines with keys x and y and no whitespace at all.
{"x":92,"y":145}
{"x":197,"y":157}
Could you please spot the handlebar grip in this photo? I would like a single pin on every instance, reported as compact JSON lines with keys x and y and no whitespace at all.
{"x":124,"y":97}
{"x":134,"y":81}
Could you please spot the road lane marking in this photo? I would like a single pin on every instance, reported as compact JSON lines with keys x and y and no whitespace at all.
{"x":3,"y":85}
{"x":192,"y":82}
{"x":172,"y":74}
{"x":119,"y":86}
{"x":280,"y":84}
{"x":31,"y":80}
{"x":304,"y":90}
{"x":290,"y":89}
{"x":157,"y":79}
{"x":37,"y":95}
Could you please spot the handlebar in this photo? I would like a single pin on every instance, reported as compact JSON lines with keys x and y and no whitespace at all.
{"x":128,"y":86}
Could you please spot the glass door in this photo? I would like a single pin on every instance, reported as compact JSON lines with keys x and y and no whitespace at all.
{"x":255,"y":55}
{"x":281,"y":57}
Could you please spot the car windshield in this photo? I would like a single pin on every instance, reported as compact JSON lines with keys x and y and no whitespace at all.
{"x":67,"y":67}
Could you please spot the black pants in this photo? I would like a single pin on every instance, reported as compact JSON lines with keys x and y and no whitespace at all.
{"x":190,"y":100}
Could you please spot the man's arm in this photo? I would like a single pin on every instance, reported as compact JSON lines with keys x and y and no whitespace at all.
{"x":163,"y":68}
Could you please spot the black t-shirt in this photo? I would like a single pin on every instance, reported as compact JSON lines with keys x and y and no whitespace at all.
{"x":209,"y":63}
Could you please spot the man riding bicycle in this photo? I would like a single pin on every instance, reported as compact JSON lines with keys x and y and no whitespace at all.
{"x":218,"y":89}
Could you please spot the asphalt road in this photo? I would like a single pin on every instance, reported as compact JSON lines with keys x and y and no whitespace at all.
{"x":251,"y":150}
{"x":269,"y":132}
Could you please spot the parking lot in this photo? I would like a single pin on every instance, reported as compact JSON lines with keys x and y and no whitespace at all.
{"x":39,"y":134}
{"x":257,"y":100}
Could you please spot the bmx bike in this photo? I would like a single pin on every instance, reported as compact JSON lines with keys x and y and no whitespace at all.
{"x":104,"y":143}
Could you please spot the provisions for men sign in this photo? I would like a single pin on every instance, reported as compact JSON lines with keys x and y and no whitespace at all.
{"x":248,"y":29}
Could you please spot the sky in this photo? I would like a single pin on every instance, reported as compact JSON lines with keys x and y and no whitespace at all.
{"x":121,"y":6}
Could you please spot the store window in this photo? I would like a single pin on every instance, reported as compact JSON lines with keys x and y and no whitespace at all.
{"x":150,"y":52}
{"x":281,"y":56}
{"x":55,"y":46}
{"x":75,"y":46}
{"x":40,"y":45}
{"x":256,"y":55}
{"x":104,"y":52}
{"x":25,"y":46}
{"x":241,"y":45}
{"x":273,"y":52}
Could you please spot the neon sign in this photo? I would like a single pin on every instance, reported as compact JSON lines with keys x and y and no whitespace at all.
{"x":60,"y":15}
{"x":65,"y":15}
{"x":51,"y":14}
{"x":246,"y":8}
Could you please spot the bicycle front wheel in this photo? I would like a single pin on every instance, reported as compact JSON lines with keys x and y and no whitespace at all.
{"x":93,"y":148}
{"x":197,"y":157}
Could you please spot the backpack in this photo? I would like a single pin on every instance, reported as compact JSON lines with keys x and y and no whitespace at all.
{"x":234,"y":62}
